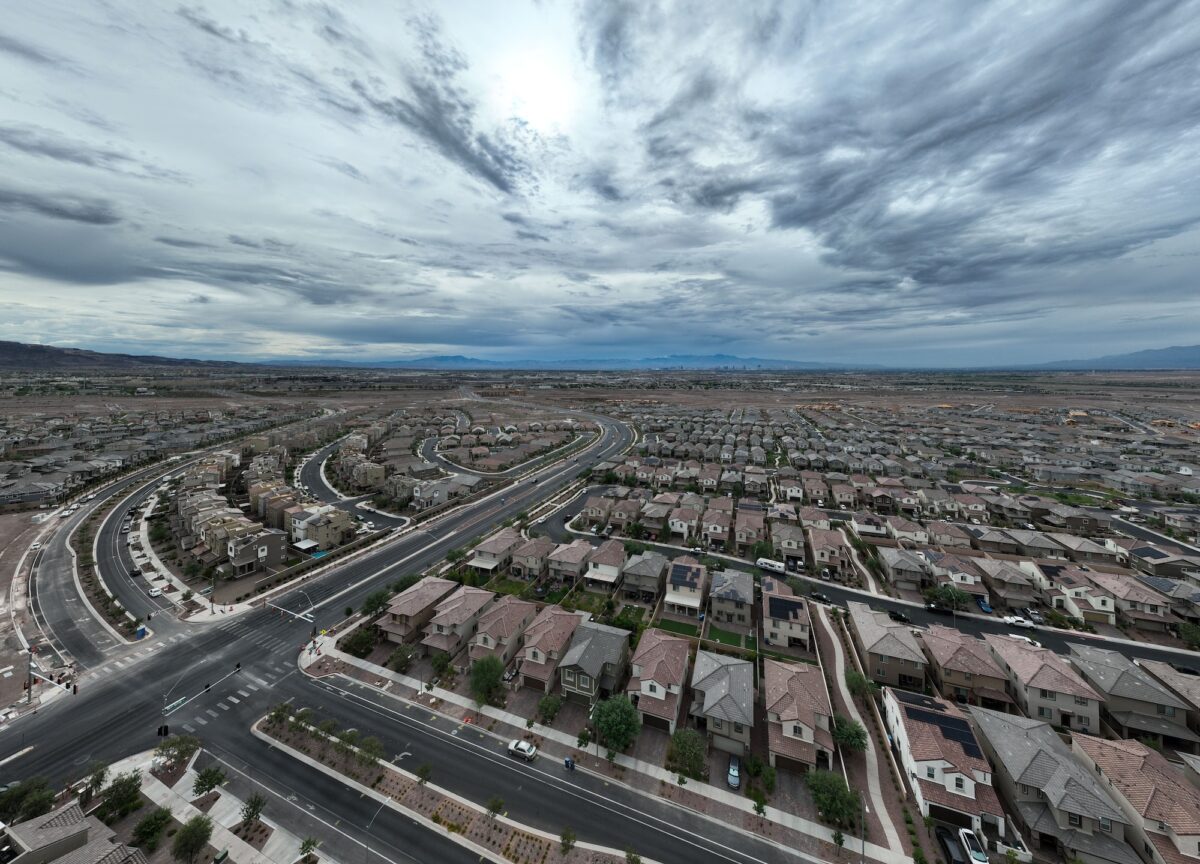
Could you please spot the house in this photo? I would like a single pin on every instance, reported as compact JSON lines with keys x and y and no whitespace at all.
{"x":1060,"y":804}
{"x":410,"y":610}
{"x":455,"y":618}
{"x":659,"y":674}
{"x":1161,"y":807}
{"x":66,"y":835}
{"x":501,"y":627}
{"x":530,"y":560}
{"x":687,"y":583}
{"x":799,"y":718}
{"x":260,"y":550}
{"x":684,"y":522}
{"x":1183,"y":685}
{"x":1044,"y":685}
{"x":714,"y":528}
{"x":594,"y":664}
{"x":568,"y":561}
{"x":1134,"y":703}
{"x":1007,"y":583}
{"x":964,"y":670}
{"x":828,"y":551}
{"x":731,"y":599}
{"x":596,"y":509}
{"x":866,"y":524}
{"x":946,"y":534}
{"x":604,"y":566}
{"x":546,"y":640}
{"x":495,"y":553}
{"x":788,"y":542}
{"x":723,"y":700}
{"x":748,"y":529}
{"x":643,"y":576}
{"x":887,"y":649}
{"x":905,"y":529}
{"x":906,"y":569}
{"x":958,"y":571}
{"x":1136,"y":603}
{"x":785,"y":617}
{"x":950,"y":779}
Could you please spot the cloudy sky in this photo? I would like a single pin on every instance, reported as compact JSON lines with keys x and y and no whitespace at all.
{"x":901,"y":183}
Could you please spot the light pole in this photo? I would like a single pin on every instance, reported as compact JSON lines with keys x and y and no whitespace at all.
{"x":862,"y":829}
{"x":367,"y":842}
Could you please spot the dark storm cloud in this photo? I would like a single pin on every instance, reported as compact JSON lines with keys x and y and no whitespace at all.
{"x":182,"y":243}
{"x":91,"y":211}
{"x":609,"y":36}
{"x":25,"y":51}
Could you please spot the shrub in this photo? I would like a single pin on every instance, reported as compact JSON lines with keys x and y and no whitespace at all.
{"x":548,"y":708}
{"x":149,"y":830}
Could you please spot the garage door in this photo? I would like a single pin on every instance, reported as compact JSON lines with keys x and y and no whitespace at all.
{"x":656,"y":722}
{"x":1095,"y":616}
{"x":950,"y":817}
{"x":794,"y":765}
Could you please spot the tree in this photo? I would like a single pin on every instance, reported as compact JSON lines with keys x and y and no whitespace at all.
{"x":362,"y":641}
{"x":370,"y":751}
{"x":1190,"y":633}
{"x":279,"y":714}
{"x":122,"y":797}
{"x":441,"y":664}
{"x":25,"y":800}
{"x":548,"y":707}
{"x":424,"y":772}
{"x":566,"y":840}
{"x":301,"y":719}
{"x":839,"y":839}
{"x":849,"y":734}
{"x":253,"y":808}
{"x":688,"y":754}
{"x":307,"y":847}
{"x":617,"y":722}
{"x":96,"y":781}
{"x":494,"y":805}
{"x":584,"y":739}
{"x":836,"y":802}
{"x":859,"y":684}
{"x":455,"y":555}
{"x":487,"y":677}
{"x":376,"y":602}
{"x":148,"y":831}
{"x":759,"y":799}
{"x":178,"y":748}
{"x":191,"y":839}
{"x":347,"y":742}
{"x":949,"y":596}
{"x":402,"y":658}
{"x":207,"y":779}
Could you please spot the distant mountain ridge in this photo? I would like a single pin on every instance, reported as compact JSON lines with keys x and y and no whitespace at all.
{"x":671,"y":361}
{"x":1175,"y":357}
{"x":42,"y":358}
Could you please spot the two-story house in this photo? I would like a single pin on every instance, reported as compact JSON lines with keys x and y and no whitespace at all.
{"x":1061,"y":805}
{"x":1007,"y":584}
{"x":1162,"y":808}
{"x":799,"y":717}
{"x":410,"y":610}
{"x":888,"y":651}
{"x":714,"y":529}
{"x":785,"y":617}
{"x":684,"y":524}
{"x":495,"y":553}
{"x":643,"y":576}
{"x":731,"y":600}
{"x":723,"y":700}
{"x":568,"y":561}
{"x":546,"y":640}
{"x":1134,"y":704}
{"x":964,"y":670}
{"x":500,"y":628}
{"x":788,"y":542}
{"x":907,"y":570}
{"x":687,"y":584}
{"x":604,"y":566}
{"x":748,"y":529}
{"x":1136,"y":603}
{"x":595,"y":662}
{"x":530,"y":560}
{"x":1044,"y":685}
{"x":950,"y":779}
{"x":828,"y":551}
{"x":658,"y":677}
{"x":455,"y":618}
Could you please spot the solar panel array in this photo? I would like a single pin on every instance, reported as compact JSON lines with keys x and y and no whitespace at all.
{"x":953,"y":728}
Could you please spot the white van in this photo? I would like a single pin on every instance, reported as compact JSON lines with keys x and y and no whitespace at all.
{"x":768,"y":564}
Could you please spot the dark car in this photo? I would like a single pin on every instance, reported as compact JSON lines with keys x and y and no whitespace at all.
{"x":133,"y":571}
{"x":899,"y":616}
{"x":820,"y":597}
{"x":1184,"y":670}
{"x":938,"y":609}
{"x":950,"y":845}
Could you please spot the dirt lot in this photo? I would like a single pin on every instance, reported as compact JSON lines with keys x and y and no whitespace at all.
{"x":17,"y":531}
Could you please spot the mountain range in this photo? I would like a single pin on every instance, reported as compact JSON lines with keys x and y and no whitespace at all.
{"x":20,"y":356}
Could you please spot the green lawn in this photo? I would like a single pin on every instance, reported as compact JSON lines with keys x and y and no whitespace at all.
{"x":629,"y":617}
{"x":676,"y":627}
{"x":590,"y":601}
{"x":751,"y":643}
{"x":556,"y":595}
{"x":724,"y":636}
{"x":507,"y":586}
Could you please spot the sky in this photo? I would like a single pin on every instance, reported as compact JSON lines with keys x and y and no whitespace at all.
{"x":900,"y":183}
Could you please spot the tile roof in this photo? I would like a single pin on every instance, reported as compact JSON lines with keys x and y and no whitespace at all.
{"x":952,"y":649}
{"x":461,"y":606}
{"x":419,"y":597}
{"x":881,"y":635}
{"x":1039,"y":667}
{"x":1151,"y":785}
{"x":593,"y":645}
{"x":505,"y":618}
{"x":733,"y":585}
{"x":728,"y":687}
{"x":795,"y":691}
{"x":663,"y":658}
{"x":1114,"y":674}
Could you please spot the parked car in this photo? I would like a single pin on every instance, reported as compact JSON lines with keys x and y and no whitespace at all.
{"x":133,"y":571}
{"x":734,"y":776}
{"x":510,"y":673}
{"x":984,"y":606}
{"x":971,"y":844}
{"x":938,"y":608}
{"x":1033,"y":615}
{"x":155,"y":592}
{"x":35,"y":545}
{"x":522,"y":750}
{"x":820,"y":597}
{"x":950,"y":845}
{"x":1018,"y":621}
{"x":899,"y":616}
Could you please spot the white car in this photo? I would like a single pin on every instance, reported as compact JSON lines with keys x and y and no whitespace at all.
{"x":35,"y":545}
{"x":155,"y":592}
{"x":1033,"y":642}
{"x":1018,"y":621}
{"x":972,"y":846}
{"x":522,"y":750}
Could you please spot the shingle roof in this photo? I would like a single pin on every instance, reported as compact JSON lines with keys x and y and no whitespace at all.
{"x":881,"y":635}
{"x":1039,"y":667}
{"x":958,"y":651}
{"x":593,"y":645}
{"x":1147,"y":781}
{"x":733,"y":585}
{"x":663,"y":658}
{"x":1114,"y":674}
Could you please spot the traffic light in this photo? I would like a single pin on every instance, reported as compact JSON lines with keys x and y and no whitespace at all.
{"x":74,"y":689}
{"x":164,"y":731}
{"x":238,"y":668}
{"x":207,"y":687}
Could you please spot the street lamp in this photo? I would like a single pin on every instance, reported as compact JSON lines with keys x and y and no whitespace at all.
{"x":367,"y":842}
{"x":862,"y":829}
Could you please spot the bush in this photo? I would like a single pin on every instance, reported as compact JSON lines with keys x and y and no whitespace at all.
{"x":548,"y":708}
{"x":149,"y":831}
{"x":687,"y":754}
{"x":122,"y":797}
{"x":361,"y":642}
{"x":441,"y":664}
{"x":566,"y":840}
{"x":402,"y":658}
{"x":487,"y":674}
{"x":191,"y":839}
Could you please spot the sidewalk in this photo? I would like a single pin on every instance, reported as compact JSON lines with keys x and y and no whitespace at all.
{"x":283,"y":847}
{"x":325,"y":648}
{"x":839,"y":675}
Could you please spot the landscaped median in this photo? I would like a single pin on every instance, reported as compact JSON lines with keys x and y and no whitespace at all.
{"x":359,"y":763}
